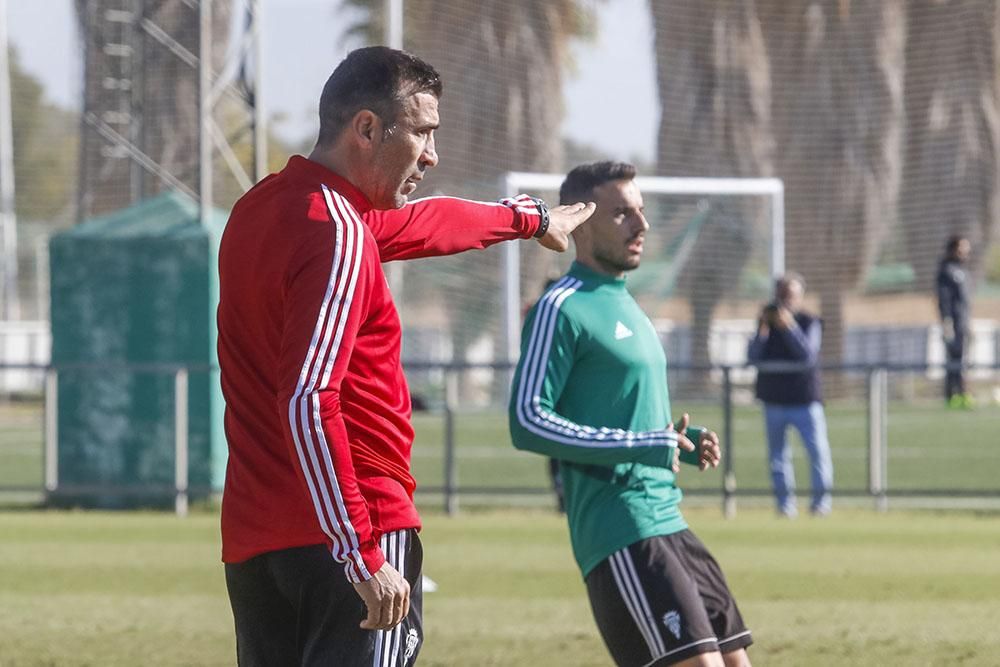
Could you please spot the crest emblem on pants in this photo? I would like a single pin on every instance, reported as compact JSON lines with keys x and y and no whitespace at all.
{"x":412,"y":639}
{"x":672,"y":620}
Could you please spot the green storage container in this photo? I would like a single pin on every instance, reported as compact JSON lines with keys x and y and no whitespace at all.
{"x":134,"y":294}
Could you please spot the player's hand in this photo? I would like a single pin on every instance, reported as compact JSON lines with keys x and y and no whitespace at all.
{"x":562,"y":221}
{"x":682,"y":441}
{"x":784,"y":319}
{"x":387,"y":597}
{"x":709,"y":452}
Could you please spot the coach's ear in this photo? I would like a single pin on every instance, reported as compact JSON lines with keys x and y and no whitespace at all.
{"x":366,"y":127}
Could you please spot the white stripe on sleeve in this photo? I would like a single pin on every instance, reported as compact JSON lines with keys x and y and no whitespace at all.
{"x":304,"y":407}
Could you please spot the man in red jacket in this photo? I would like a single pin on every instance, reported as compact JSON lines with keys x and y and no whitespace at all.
{"x":319,"y":529}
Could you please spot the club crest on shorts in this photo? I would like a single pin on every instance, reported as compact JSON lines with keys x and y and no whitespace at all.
{"x":412,"y":639}
{"x":672,"y":620}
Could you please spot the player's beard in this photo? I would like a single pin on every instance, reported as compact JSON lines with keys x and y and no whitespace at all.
{"x":618,"y":264}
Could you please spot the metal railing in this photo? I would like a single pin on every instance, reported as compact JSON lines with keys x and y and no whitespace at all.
{"x":875,"y":378}
{"x":50,"y":430}
{"x":876,"y":408}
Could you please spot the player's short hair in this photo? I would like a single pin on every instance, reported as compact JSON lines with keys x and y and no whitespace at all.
{"x":581,"y":181}
{"x":376,"y":78}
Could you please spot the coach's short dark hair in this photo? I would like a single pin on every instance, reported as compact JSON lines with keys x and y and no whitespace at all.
{"x":376,"y":78}
{"x":581,"y":181}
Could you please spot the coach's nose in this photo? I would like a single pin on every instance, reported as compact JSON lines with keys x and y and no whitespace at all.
{"x":429,"y":158}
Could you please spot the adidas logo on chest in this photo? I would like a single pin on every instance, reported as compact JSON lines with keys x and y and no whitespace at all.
{"x":622,"y":331}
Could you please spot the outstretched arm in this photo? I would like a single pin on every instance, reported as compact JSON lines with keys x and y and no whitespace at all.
{"x":563,"y":220}
{"x":436,"y":226}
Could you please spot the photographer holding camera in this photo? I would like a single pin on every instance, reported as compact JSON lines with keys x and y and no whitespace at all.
{"x":786,"y":333}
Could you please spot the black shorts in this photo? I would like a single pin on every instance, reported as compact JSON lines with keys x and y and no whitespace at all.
{"x":663,"y":600}
{"x":296,"y":607}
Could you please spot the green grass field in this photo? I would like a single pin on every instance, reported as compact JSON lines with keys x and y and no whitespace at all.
{"x":859,"y":588}
{"x":903,"y":588}
{"x":21,"y":445}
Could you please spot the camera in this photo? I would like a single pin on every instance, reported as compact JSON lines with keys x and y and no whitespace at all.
{"x":770,"y":313}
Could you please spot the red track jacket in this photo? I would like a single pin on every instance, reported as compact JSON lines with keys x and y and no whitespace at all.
{"x":317,"y":408}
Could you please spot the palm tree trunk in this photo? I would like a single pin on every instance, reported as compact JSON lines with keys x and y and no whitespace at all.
{"x":714,"y":83}
{"x":502,"y":66}
{"x":950,"y":181}
{"x":837,"y":68}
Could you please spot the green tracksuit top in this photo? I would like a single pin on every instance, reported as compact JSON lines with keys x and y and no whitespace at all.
{"x":591,"y":390}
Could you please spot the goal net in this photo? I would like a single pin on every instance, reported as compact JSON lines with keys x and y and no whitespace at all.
{"x":713,"y":248}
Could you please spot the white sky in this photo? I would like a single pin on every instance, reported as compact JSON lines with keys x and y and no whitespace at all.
{"x":610,"y":99}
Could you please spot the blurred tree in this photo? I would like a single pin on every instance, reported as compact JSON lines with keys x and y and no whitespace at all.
{"x":837,"y":112}
{"x":950,"y":179}
{"x":502,"y":64}
{"x":715,"y":87}
{"x":44,"y":147}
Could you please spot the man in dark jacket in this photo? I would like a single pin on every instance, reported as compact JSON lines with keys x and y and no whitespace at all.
{"x":793,"y":397}
{"x":953,"y":305}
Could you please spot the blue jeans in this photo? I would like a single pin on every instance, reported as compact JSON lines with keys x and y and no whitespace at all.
{"x":810,"y":421}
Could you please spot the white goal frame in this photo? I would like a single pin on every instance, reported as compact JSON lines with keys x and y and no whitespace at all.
{"x":515,"y":182}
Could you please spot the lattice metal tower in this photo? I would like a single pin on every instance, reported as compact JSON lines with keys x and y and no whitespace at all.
{"x":156,"y":113}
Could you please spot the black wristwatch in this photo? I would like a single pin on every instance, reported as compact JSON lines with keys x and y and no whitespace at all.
{"x":543,"y":212}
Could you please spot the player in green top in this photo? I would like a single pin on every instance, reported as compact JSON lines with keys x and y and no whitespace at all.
{"x":591,"y":391}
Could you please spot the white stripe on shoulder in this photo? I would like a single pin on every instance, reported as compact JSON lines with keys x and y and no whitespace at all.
{"x":327,"y":518}
{"x":339,"y":208}
{"x":304,"y":407}
{"x":557,"y":293}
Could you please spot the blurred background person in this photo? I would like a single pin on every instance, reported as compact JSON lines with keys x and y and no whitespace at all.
{"x":786,"y":333}
{"x":953,"y":305}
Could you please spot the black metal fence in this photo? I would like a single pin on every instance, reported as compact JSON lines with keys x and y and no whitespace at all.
{"x":892,"y":436}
